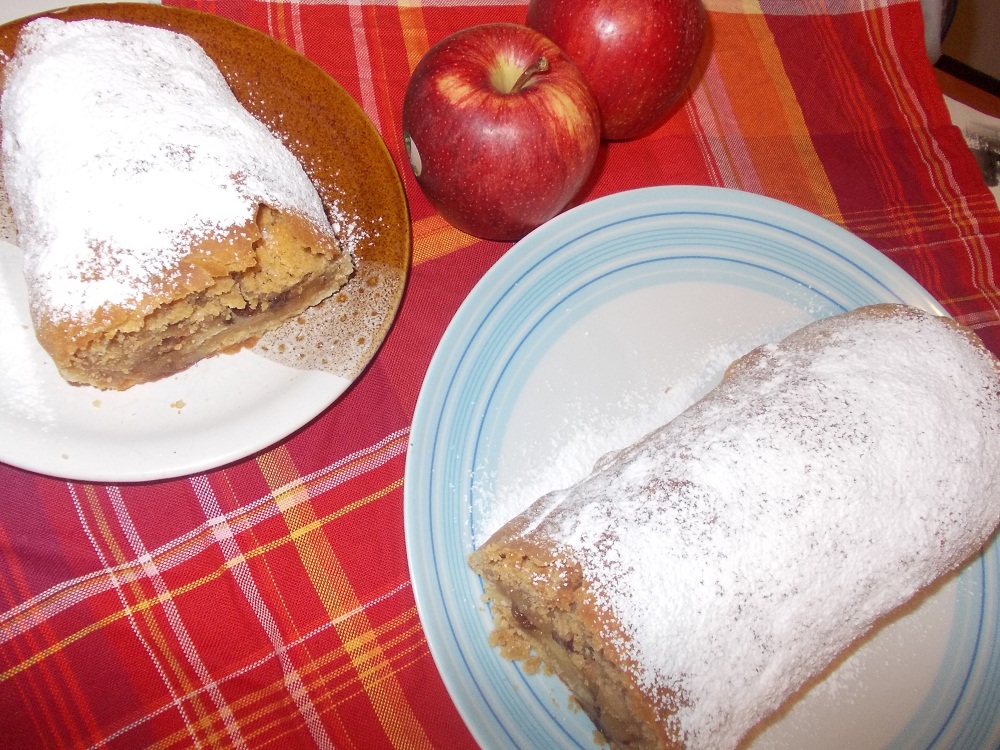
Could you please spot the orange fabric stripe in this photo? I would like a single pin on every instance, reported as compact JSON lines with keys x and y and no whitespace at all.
{"x":276,"y":23}
{"x":433,"y":237}
{"x":766,"y":108}
{"x":411,"y":20}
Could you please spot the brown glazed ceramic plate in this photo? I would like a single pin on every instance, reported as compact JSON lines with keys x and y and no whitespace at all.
{"x":292,"y":374}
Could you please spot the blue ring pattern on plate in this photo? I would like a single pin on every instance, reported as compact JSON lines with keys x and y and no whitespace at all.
{"x":549,"y":280}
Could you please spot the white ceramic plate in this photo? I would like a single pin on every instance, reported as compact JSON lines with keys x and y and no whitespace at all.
{"x":218,"y":411}
{"x":227,"y":407}
{"x":615,"y":314}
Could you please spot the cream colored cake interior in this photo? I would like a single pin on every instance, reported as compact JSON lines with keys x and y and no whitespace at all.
{"x":288,"y":277}
{"x":544,"y":627}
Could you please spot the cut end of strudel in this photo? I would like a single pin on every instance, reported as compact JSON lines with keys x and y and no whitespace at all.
{"x":699,"y":578}
{"x":160,"y":222}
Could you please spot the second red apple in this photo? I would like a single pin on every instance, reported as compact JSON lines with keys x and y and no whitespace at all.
{"x":638,"y":57}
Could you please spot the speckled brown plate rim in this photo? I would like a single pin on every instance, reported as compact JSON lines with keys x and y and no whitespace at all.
{"x":314,"y":116}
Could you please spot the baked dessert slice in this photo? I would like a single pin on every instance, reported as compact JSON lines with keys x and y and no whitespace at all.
{"x":697,"y":579}
{"x":160,"y":222}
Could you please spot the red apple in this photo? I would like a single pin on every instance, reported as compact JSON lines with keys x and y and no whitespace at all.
{"x":500,"y":128}
{"x":637,"y":56}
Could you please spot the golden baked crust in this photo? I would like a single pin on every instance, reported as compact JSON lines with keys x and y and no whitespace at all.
{"x":725,"y":524}
{"x":226,"y":293}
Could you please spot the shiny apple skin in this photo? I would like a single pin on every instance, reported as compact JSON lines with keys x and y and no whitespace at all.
{"x":637,"y":55}
{"x":494,"y":164}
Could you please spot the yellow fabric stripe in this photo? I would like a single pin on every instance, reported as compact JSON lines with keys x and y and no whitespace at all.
{"x":819,"y":187}
{"x":143,"y":604}
{"x":334,"y":589}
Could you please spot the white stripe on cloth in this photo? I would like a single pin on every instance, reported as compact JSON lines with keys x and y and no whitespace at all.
{"x":256,"y":664}
{"x":244,"y":578}
{"x":174,"y":616}
{"x":36,"y":610}
{"x":726,"y":149}
{"x":113,"y":581}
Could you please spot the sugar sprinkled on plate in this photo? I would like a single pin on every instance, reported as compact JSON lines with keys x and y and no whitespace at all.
{"x":589,"y":436}
{"x":23,"y":395}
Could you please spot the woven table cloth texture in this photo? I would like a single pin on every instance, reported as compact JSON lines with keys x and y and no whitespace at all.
{"x":268,"y":604}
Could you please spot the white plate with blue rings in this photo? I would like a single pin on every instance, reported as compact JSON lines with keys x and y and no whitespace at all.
{"x":621,"y":308}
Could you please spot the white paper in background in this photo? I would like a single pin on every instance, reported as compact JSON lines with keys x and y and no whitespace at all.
{"x":982,"y":133}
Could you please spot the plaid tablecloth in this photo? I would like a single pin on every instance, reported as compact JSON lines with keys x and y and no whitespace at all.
{"x":269,"y":603}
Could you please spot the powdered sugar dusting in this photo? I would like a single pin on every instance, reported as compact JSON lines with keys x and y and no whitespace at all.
{"x":590,"y":436}
{"x":786,"y":514}
{"x":23,"y":396}
{"x":119,"y":137}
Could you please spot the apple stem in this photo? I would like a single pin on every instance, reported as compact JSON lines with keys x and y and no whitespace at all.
{"x":539,"y":66}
